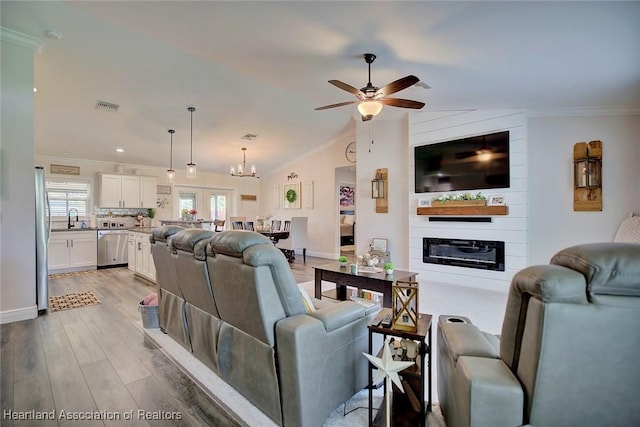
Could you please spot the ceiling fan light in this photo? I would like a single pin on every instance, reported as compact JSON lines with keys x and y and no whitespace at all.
{"x":370,"y":108}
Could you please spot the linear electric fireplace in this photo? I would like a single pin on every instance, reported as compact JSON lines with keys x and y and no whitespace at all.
{"x":484,"y":254}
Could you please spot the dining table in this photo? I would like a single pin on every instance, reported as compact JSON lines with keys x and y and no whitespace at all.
{"x":275,"y":237}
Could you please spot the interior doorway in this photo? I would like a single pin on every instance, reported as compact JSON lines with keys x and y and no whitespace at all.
{"x":346,"y":189}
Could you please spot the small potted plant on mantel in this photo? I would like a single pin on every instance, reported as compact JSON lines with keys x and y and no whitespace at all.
{"x":343,"y":261}
{"x":388,"y":268}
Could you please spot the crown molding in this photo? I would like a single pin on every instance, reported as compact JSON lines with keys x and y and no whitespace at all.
{"x":20,"y":39}
{"x":585,"y":111}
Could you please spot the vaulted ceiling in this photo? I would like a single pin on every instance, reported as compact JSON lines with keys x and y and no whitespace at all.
{"x":262,"y":68}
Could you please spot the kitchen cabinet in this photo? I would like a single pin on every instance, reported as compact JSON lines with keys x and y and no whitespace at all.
{"x":140,"y":258}
{"x":72,"y":251}
{"x":127,"y":191}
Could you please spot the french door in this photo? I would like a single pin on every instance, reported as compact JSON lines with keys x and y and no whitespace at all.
{"x":211,"y":203}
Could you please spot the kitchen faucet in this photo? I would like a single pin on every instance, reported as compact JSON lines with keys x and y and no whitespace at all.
{"x":69,"y":226}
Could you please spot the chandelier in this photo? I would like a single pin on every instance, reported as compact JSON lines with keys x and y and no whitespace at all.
{"x":242,"y":169}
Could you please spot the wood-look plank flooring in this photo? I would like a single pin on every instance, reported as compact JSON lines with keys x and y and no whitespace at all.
{"x":95,"y":361}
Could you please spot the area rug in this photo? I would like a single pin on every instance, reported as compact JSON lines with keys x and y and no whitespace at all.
{"x":75,"y":300}
{"x":71,"y":274}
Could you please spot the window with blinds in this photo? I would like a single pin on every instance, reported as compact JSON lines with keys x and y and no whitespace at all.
{"x":68,"y":194}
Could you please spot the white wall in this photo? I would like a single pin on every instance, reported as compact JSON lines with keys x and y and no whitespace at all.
{"x":318,"y":167}
{"x":389,"y":150}
{"x":553,"y":223}
{"x":17,"y":180}
{"x":433,"y":127}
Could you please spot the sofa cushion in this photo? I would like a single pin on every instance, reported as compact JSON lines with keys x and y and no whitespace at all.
{"x":609,"y":268}
{"x":306,"y":300}
{"x":160,"y":234}
{"x":234,"y":242}
{"x":191,"y":240}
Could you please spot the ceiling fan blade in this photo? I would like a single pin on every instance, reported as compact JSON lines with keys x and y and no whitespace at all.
{"x":398,"y":85}
{"x":404,"y":103}
{"x":348,"y":88}
{"x":340,"y":104}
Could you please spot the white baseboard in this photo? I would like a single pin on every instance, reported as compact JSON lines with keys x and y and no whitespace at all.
{"x":18,"y":314}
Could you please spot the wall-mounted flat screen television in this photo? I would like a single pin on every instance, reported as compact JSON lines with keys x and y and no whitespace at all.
{"x":474,"y":163}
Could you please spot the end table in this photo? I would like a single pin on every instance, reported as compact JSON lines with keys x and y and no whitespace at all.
{"x":402,"y":409}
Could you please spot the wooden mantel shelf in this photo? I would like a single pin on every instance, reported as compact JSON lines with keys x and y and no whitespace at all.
{"x":464,"y":210}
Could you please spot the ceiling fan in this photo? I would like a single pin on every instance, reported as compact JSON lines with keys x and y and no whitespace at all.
{"x":371,"y":98}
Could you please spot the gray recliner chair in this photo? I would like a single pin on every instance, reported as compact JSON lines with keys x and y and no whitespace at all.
{"x":247,"y":320}
{"x":568,"y":353}
{"x":171,"y":310}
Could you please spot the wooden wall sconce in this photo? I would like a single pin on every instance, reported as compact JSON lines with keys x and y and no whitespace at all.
{"x":587,"y":176}
{"x":380,"y":190}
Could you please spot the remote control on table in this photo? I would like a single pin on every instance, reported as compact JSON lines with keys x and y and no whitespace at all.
{"x":386,"y":321}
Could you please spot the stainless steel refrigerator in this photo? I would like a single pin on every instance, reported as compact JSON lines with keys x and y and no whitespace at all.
{"x":43,"y":229}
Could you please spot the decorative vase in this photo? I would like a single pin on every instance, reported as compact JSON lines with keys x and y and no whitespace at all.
{"x":389,"y":271}
{"x":343,"y":264}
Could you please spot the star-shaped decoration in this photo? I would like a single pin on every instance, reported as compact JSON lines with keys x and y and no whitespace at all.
{"x":387,"y":367}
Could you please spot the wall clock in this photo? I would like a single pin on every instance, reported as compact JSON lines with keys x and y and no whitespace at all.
{"x":350,"y":152}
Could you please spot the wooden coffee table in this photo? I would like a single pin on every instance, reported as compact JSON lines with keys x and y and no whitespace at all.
{"x":379,"y":282}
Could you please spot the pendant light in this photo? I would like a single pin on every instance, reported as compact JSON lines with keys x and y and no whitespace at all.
{"x":171,"y":174}
{"x":191,"y":167}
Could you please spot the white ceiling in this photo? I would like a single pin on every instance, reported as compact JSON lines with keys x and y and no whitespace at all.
{"x":262,"y":68}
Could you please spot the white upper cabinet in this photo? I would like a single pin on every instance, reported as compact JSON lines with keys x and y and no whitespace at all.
{"x":127,"y":191}
{"x":148,"y":191}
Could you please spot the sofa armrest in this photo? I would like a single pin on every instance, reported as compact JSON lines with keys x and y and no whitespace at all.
{"x":320,"y":360}
{"x":487,"y":393}
{"x":335,"y":316}
{"x":465,"y":339}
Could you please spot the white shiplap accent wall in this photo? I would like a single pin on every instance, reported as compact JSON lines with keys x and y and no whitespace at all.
{"x":430,"y":128}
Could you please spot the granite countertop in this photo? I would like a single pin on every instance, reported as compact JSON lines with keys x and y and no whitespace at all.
{"x":74,"y":229}
{"x":146,"y":230}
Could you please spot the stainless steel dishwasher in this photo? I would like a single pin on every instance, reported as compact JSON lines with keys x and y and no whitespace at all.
{"x":112,"y":247}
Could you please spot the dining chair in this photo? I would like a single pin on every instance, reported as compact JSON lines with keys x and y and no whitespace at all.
{"x":237,"y":225}
{"x":248,"y":225}
{"x":218,"y":225}
{"x":297,"y":239}
{"x":275,"y":225}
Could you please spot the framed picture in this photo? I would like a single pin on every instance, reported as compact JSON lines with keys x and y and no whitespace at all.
{"x":291,"y":196}
{"x":379,"y":244}
{"x":424,"y":203}
{"x":347,"y":196}
{"x":496,"y":200}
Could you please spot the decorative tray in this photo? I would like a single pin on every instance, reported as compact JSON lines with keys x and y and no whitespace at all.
{"x":367,"y":269}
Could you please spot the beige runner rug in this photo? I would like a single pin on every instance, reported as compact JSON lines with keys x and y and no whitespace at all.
{"x":75,"y":300}
{"x":74,"y":273}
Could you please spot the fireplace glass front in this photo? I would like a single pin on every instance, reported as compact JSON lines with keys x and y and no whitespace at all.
{"x":483,"y":254}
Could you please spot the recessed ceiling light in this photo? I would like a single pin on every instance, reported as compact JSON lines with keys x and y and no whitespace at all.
{"x":35,"y":89}
{"x":120,"y":150}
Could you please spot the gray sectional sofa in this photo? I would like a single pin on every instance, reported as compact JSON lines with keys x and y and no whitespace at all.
{"x":230,"y":298}
{"x":568,"y":352}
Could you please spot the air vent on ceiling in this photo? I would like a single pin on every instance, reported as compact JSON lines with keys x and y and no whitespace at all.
{"x":250,"y":137}
{"x":107,"y":106}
